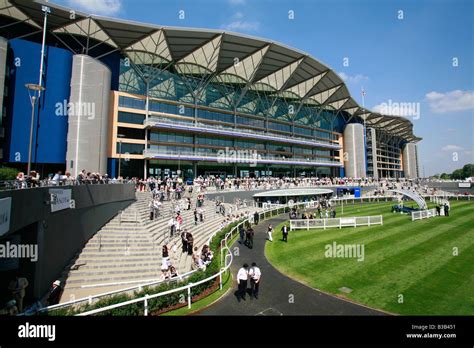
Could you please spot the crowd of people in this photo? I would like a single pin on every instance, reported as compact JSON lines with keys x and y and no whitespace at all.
{"x":17,"y":288}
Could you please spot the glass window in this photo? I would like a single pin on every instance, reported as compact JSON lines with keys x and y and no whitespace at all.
{"x":215,"y":116}
{"x":250,"y":122}
{"x":132,"y":103}
{"x":279,"y":127}
{"x":130,"y":117}
{"x":132,"y":149}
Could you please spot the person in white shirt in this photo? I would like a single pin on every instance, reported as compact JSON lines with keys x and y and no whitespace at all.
{"x":270,"y":230}
{"x":242,"y":277}
{"x":255,"y":274}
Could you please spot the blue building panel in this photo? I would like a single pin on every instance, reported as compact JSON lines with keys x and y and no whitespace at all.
{"x":51,"y":122}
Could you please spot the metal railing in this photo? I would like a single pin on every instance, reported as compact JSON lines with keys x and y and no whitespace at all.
{"x":153,"y":121}
{"x":355,"y":221}
{"x":226,"y":260}
{"x":30,"y":184}
{"x":94,"y":298}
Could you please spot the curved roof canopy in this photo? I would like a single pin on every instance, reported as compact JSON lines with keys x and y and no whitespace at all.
{"x":259,"y":64}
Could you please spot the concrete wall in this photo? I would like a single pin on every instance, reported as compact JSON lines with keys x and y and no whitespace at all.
{"x":410,"y":161}
{"x":354,"y":151}
{"x":59,"y":235}
{"x":88,"y":127}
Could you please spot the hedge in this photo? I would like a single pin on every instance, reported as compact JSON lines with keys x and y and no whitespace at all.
{"x":8,"y":173}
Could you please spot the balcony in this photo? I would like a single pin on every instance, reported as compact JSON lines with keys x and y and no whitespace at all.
{"x":237,"y":133}
{"x":237,"y":157}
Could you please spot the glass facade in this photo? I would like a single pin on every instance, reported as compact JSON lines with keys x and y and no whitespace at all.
{"x":294,"y":133}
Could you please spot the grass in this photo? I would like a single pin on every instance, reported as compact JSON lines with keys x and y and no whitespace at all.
{"x":412,"y":259}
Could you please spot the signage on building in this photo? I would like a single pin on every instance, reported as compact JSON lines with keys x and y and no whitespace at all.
{"x":60,"y":199}
{"x":5,"y":212}
{"x":464,"y":185}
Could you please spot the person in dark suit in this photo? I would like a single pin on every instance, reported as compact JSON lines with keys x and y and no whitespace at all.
{"x":55,"y":293}
{"x":184,"y":240}
{"x":255,"y":274}
{"x":255,"y":218}
{"x":284,"y":231}
{"x":446,"y":209}
{"x":250,"y":234}
{"x":190,"y":240}
{"x":241,"y":233}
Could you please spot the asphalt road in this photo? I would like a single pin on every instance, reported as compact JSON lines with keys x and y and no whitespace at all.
{"x":278,"y":295}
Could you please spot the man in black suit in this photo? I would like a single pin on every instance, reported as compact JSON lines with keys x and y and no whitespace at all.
{"x":284,"y":231}
{"x":184,"y":240}
{"x":255,"y":218}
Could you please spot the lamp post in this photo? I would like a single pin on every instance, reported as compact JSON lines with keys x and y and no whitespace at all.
{"x":34,"y":93}
{"x":34,"y":90}
{"x":120,"y":136}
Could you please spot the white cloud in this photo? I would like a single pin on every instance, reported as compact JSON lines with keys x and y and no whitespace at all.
{"x":100,"y":7}
{"x":450,"y":101}
{"x":452,"y":148}
{"x":356,"y":79}
{"x":242,"y":26}
{"x":237,"y":2}
{"x":238,"y":15}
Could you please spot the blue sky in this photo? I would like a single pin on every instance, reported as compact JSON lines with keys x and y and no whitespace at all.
{"x":403,"y":56}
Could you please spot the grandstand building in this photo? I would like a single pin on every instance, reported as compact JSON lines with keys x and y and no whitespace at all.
{"x":162,"y":100}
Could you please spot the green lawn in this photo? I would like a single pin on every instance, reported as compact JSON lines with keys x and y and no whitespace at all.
{"x":413,"y":259}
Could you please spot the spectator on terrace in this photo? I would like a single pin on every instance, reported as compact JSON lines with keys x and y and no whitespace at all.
{"x":184,"y":241}
{"x":188,"y":203}
{"x":206,"y":255}
{"x":54,"y":293}
{"x":197,"y":260}
{"x":20,"y":180}
{"x":179,"y":222}
{"x":190,"y":239}
{"x":165,"y":252}
{"x":18,"y":289}
{"x":196,"y":218}
{"x":34,"y":179}
{"x":172,"y":226}
{"x":10,"y":309}
{"x":173,"y":272}
{"x":165,"y":274}
{"x":201,"y":215}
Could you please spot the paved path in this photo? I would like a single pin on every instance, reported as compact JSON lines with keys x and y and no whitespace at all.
{"x":276,"y":290}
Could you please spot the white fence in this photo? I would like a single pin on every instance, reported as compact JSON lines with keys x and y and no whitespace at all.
{"x":226,"y":260}
{"x":336,"y":222}
{"x":423,"y":214}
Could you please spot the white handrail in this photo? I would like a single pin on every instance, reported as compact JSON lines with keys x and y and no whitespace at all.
{"x":146,"y":298}
{"x":336,"y":222}
{"x":113,"y":292}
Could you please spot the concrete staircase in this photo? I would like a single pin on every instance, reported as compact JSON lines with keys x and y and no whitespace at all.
{"x":128,"y":248}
